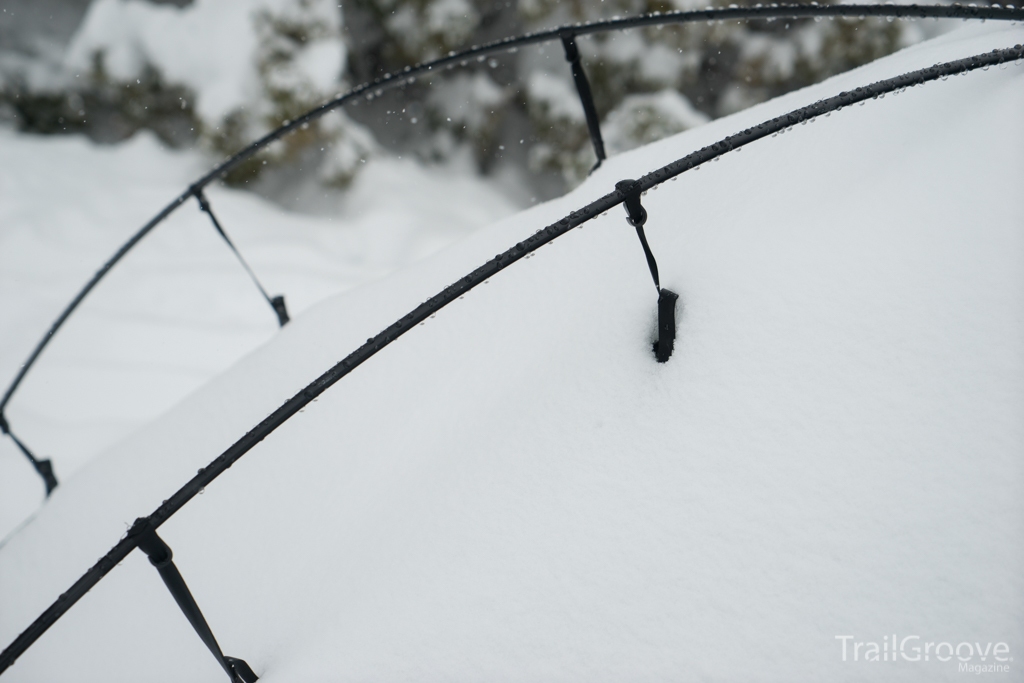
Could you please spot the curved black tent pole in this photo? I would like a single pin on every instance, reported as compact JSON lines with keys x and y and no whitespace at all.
{"x":567,"y":35}
{"x":250,"y":439}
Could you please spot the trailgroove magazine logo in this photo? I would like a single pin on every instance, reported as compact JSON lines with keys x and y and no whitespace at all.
{"x":976,"y":658}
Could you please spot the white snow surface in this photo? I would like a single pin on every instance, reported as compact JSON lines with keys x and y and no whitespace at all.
{"x":179,"y":309}
{"x":517,"y":491}
{"x":649,"y":117}
{"x":208,"y":46}
{"x":556,"y":94}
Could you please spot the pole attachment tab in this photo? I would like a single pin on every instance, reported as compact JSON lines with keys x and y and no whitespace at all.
{"x":161,"y":557}
{"x":277,"y":302}
{"x":579,"y":77}
{"x":43,"y":466}
{"x":636,"y":215}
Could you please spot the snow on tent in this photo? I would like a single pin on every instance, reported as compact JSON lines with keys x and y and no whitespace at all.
{"x":178,"y":309}
{"x":517,"y":490}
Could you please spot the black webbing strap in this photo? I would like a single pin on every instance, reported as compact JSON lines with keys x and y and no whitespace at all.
{"x":636,"y":215}
{"x":44,"y":467}
{"x":579,"y":76}
{"x":160,"y":556}
{"x":277,"y":302}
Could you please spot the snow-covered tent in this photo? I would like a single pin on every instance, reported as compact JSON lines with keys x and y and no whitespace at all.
{"x":517,"y":490}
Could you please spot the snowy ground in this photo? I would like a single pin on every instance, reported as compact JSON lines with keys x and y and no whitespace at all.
{"x":179,"y":309}
{"x":517,"y":491}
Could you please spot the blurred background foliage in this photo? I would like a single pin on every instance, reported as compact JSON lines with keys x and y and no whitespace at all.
{"x":111,"y":67}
